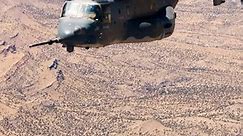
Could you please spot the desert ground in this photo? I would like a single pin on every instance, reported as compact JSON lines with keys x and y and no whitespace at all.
{"x":188,"y":84}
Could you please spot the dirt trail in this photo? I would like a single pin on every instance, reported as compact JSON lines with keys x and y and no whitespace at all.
{"x":188,"y":84}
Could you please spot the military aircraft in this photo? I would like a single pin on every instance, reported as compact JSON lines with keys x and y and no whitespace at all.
{"x":98,"y":23}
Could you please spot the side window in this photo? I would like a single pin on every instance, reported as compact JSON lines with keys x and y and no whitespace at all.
{"x":107,"y":18}
{"x":128,"y":10}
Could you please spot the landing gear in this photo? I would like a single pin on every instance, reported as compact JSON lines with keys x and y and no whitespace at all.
{"x":70,"y":48}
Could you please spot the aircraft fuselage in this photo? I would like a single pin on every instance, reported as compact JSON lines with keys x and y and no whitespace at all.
{"x":117,"y":22}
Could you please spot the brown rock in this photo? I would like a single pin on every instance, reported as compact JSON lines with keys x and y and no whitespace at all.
{"x":2,"y":42}
{"x":13,"y":36}
{"x":48,"y":103}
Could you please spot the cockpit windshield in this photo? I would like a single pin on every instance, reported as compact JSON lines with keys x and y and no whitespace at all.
{"x":76,"y":9}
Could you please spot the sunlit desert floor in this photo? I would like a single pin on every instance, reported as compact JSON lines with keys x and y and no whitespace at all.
{"x":188,"y":84}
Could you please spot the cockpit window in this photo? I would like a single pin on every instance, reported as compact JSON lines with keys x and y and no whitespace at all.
{"x":74,"y":9}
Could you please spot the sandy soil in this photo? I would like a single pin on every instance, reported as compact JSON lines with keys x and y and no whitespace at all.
{"x":188,"y":84}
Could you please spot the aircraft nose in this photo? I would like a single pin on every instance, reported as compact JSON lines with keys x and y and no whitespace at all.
{"x":69,"y":28}
{"x":65,"y":33}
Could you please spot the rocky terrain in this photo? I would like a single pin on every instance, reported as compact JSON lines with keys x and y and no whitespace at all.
{"x":188,"y":84}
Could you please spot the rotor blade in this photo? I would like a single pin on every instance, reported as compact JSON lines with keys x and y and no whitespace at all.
{"x":50,"y":42}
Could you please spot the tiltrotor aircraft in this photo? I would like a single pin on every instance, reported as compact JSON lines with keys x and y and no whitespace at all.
{"x":97,"y":23}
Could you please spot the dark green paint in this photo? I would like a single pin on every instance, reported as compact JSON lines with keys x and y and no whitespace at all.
{"x":97,"y":23}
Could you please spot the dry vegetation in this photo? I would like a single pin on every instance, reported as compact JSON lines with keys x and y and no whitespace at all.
{"x":188,"y":84}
